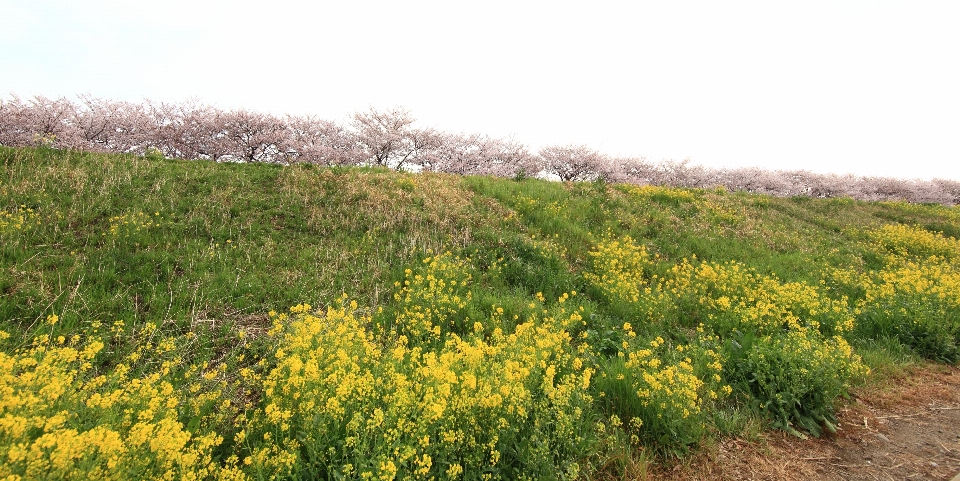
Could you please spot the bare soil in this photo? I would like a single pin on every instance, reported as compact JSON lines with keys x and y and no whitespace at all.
{"x":908,"y":429}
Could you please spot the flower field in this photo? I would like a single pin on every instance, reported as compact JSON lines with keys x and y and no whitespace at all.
{"x":303,"y":323}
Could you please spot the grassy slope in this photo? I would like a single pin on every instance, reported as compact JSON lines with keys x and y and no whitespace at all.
{"x":213,"y":247}
{"x":220,"y":242}
{"x":226,"y":243}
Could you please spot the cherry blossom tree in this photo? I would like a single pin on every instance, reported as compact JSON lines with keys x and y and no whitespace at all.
{"x":756,"y":180}
{"x":40,"y":121}
{"x":16,"y":128}
{"x":253,"y":136}
{"x":189,"y":131}
{"x":506,"y":158}
{"x":109,"y":126}
{"x":830,"y":185}
{"x":684,"y":174}
{"x":453,"y":154}
{"x":929,"y":192}
{"x":389,"y":139}
{"x":634,"y":170}
{"x":477,"y":154}
{"x":570,"y":162}
{"x":322,"y":142}
{"x":950,"y":188}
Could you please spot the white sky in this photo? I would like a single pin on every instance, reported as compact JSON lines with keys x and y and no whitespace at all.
{"x":871,"y":88}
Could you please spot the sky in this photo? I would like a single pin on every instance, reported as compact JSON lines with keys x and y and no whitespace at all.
{"x":868,"y":88}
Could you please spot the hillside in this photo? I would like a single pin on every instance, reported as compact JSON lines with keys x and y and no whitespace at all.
{"x":353,"y":322}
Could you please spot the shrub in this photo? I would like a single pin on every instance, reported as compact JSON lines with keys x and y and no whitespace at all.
{"x":660,"y":390}
{"x":783,"y":340}
{"x":915,"y":296}
{"x":795,"y":376}
{"x":916,"y":303}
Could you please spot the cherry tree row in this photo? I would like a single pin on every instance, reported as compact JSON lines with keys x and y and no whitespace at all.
{"x":391,"y":139}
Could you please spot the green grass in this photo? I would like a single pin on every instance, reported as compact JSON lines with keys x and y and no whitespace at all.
{"x":225,"y":242}
{"x":210,"y":249}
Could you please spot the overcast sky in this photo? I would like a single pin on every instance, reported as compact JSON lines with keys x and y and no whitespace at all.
{"x":869,"y":88}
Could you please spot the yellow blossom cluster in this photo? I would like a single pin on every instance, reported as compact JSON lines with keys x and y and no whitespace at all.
{"x":340,"y":403}
{"x":935,"y":284}
{"x":61,"y":418}
{"x":783,"y":339}
{"x":949,"y":213}
{"x":729,"y":296}
{"x":915,"y":296}
{"x":524,"y":203}
{"x":22,"y":219}
{"x":913,"y":242}
{"x":527,"y":205}
{"x":547,"y":247}
{"x":125,"y":225}
{"x":676,"y":195}
{"x":725,"y":301}
{"x":619,"y":270}
{"x":431,"y":299}
{"x":661,"y":389}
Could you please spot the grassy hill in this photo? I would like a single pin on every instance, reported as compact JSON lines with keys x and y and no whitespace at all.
{"x":456,"y":327}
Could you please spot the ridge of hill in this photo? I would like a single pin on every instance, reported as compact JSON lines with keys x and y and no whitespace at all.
{"x":532,"y":328}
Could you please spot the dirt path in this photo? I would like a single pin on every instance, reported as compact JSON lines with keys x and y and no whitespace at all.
{"x":909,"y":429}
